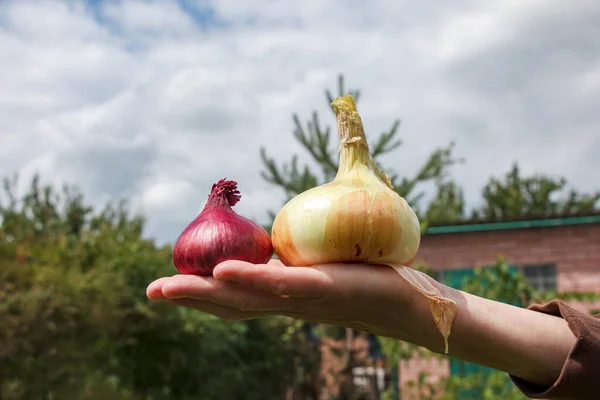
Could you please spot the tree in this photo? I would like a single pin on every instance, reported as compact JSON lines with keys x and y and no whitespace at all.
{"x":76,"y":323}
{"x":535,"y":196}
{"x":448,"y":204}
{"x":294,"y":179}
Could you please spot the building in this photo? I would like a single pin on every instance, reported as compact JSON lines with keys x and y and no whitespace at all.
{"x":557,"y":253}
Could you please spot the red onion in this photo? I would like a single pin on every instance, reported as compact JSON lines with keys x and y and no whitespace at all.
{"x":218,"y":233}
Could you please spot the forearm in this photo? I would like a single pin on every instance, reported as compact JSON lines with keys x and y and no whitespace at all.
{"x":524,"y":343}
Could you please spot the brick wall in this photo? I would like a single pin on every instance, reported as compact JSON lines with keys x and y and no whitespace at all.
{"x":575,"y":250}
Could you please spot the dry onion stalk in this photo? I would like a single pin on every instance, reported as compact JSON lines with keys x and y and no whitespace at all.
{"x":357,"y":218}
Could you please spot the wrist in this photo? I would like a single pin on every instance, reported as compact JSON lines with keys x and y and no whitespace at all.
{"x":406,"y":313}
{"x":421,"y":327}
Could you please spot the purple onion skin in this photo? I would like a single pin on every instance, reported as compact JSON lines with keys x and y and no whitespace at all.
{"x":218,"y":234}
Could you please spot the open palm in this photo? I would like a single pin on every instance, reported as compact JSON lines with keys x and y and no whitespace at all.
{"x":361,"y":296}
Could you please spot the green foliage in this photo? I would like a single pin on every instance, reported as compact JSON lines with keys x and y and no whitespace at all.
{"x":539,"y":296}
{"x":486,"y":386}
{"x":499,"y":282}
{"x":76,"y":323}
{"x":504,"y":283}
{"x":448,"y":204}
{"x":533,"y":196}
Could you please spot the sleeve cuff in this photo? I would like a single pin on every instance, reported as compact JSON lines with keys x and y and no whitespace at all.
{"x":580,"y":375}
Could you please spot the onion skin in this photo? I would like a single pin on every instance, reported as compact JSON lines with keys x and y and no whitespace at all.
{"x":218,"y":234}
{"x":353,"y":226}
{"x":356,"y":218}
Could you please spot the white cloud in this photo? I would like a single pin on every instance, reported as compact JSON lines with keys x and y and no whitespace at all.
{"x":140,"y":17}
{"x":157,"y":102}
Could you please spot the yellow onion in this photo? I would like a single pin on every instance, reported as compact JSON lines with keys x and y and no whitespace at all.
{"x":357,"y":217}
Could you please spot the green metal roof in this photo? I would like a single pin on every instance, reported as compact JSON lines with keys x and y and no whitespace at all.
{"x":496,"y":226}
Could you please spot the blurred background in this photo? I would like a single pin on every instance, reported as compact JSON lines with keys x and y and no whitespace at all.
{"x":116,"y":117}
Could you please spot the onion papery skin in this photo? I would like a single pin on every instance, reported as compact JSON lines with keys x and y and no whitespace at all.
{"x":345,"y":221}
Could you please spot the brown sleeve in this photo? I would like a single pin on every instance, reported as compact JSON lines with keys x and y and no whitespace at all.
{"x":580,"y":375}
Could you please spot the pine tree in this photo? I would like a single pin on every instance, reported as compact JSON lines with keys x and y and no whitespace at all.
{"x":294,"y":178}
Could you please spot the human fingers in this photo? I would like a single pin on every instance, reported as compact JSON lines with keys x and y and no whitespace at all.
{"x":154,"y":289}
{"x":275,"y":263}
{"x":229,"y":294}
{"x":222,"y":312}
{"x":301,"y":282}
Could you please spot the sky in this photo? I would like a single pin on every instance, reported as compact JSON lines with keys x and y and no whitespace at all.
{"x":157,"y":100}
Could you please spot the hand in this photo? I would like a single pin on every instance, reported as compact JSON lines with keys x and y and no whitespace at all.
{"x":367,"y":297}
